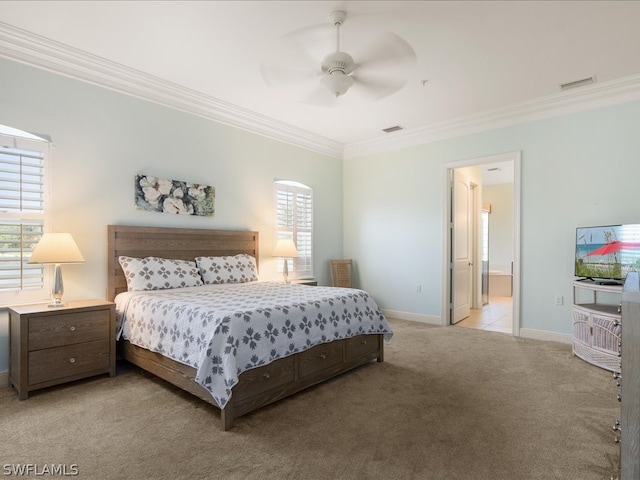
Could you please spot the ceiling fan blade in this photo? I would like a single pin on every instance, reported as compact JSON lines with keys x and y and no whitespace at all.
{"x":320,"y":97}
{"x":320,"y":39}
{"x":314,"y":41}
{"x":386,"y":50}
{"x":375,"y":88}
{"x":277,"y":75}
{"x":288,"y":65}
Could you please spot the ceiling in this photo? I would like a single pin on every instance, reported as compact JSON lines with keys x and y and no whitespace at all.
{"x":473,"y":58}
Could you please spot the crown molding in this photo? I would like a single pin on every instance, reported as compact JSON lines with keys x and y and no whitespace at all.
{"x":603,"y":94}
{"x":41,"y":52}
{"x":38,"y":51}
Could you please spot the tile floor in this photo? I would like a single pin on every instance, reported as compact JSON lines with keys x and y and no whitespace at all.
{"x":496,"y":316}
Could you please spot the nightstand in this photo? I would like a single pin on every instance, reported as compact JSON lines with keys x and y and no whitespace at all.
{"x":305,"y":281}
{"x":49,"y":346}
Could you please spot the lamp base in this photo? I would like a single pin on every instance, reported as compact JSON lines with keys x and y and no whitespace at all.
{"x":57,"y":288}
{"x":56,"y":305}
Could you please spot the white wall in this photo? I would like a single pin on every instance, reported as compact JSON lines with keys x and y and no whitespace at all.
{"x":101,"y":139}
{"x":578,"y":169}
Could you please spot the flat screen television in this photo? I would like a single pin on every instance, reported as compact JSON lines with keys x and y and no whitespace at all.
{"x":607,"y":253}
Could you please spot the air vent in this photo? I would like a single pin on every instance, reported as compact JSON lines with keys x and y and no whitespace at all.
{"x":578,"y":83}
{"x":392,"y":129}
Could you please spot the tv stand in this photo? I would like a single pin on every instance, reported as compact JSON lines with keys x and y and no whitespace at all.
{"x":596,"y":323}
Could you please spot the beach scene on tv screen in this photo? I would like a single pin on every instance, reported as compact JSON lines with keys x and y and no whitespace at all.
{"x":607,"y":252}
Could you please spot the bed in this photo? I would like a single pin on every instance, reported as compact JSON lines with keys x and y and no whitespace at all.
{"x":234,"y":375}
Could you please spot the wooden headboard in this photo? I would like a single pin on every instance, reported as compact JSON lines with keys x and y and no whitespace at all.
{"x":179,"y":243}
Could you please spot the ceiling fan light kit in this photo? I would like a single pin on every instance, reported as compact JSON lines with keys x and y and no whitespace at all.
{"x":337,"y":66}
{"x":337,"y":83}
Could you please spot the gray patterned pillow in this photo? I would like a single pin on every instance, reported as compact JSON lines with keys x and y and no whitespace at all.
{"x":154,"y":273}
{"x":239,"y":268}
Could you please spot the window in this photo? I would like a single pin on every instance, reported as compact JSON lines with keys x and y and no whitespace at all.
{"x":485,"y":235}
{"x":294,"y":205}
{"x":22,"y":214}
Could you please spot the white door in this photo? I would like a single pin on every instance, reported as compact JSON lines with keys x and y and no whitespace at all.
{"x":461,"y":251}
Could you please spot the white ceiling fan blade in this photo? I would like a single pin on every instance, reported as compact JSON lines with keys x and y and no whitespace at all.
{"x":370,"y":87}
{"x":387,"y":50}
{"x":320,"y":38}
{"x":314,"y":42}
{"x":284,"y":76}
{"x":288,"y":66}
{"x":320,"y":97}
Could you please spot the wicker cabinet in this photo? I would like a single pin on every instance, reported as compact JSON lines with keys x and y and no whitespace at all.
{"x":49,"y":346}
{"x":596,"y":323}
{"x":629,"y":380}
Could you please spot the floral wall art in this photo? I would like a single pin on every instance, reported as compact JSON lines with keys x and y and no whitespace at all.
{"x":174,"y":196}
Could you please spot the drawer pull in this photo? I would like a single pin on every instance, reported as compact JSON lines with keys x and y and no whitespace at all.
{"x":266,"y":376}
{"x":323,"y":356}
{"x":363,"y":342}
{"x":72,"y":328}
{"x":72,"y":360}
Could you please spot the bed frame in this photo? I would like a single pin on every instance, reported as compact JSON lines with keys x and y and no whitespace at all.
{"x":257,"y":387}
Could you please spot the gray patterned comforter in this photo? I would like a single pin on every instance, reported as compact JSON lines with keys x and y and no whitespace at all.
{"x":224,"y":330}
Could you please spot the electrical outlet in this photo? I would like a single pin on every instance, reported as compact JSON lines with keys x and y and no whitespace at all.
{"x":418,"y":288}
{"x":559,"y":300}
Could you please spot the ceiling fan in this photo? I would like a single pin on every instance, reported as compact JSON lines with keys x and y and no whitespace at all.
{"x":302,"y":67}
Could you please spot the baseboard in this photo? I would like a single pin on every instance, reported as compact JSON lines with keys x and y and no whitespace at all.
{"x":4,"y":379}
{"x":524,"y":332}
{"x":545,"y":335}
{"x":412,"y":317}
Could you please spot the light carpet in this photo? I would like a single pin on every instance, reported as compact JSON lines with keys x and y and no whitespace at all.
{"x":447,"y":403}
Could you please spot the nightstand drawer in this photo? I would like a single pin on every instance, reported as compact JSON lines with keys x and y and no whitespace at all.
{"x":68,"y":328}
{"x":55,"y":363}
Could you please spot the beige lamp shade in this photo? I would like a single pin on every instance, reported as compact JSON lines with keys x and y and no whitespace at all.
{"x":285,"y":248}
{"x":56,"y":248}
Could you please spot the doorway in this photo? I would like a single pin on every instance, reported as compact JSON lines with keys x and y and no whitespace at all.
{"x":501,"y":313}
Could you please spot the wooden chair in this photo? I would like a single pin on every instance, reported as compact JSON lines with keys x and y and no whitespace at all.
{"x":341,"y":273}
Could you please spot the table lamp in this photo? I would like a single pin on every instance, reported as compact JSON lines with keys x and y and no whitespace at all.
{"x":56,"y":248}
{"x":286,"y":249}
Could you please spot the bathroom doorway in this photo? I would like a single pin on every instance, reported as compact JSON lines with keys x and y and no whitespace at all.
{"x":495,"y":237}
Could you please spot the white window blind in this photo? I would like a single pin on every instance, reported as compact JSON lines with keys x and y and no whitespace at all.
{"x":22,"y":215}
{"x":294,"y":205}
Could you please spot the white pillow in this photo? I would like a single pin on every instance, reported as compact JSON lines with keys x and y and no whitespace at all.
{"x":239,"y":268}
{"x":154,"y":273}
